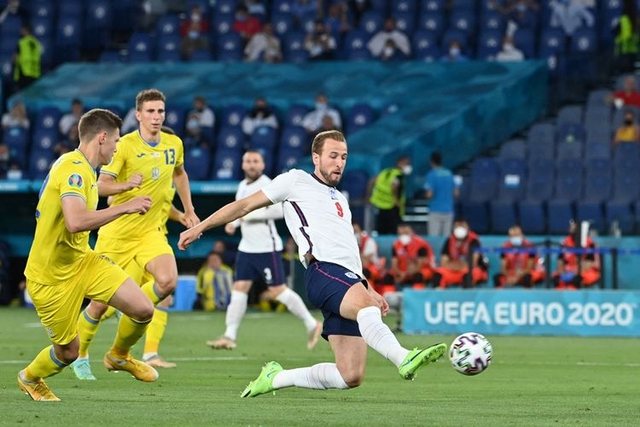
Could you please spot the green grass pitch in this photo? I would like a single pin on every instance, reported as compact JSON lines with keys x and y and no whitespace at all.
{"x":532,"y":381}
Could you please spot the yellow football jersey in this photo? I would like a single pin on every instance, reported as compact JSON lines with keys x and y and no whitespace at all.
{"x":156,"y":164}
{"x":56,"y":253}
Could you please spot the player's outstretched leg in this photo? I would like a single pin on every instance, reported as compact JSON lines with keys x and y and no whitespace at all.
{"x":137,"y":313}
{"x":235,"y":312}
{"x":296,"y":306}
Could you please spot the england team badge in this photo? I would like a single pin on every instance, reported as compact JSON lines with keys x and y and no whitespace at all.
{"x":332,"y":193}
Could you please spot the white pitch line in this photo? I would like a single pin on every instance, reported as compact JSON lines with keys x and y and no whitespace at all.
{"x":177,"y":359}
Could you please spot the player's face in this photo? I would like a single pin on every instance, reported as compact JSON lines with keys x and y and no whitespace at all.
{"x":108,"y":140}
{"x":151,"y":116}
{"x":331,"y":163}
{"x":252,"y":166}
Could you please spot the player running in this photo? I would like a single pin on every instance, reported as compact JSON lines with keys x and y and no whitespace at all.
{"x":319,"y":220}
{"x":260,"y":256}
{"x":62,"y":269}
{"x":148,"y":162}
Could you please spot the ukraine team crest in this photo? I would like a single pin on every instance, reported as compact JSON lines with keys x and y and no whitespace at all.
{"x":155,"y":173}
{"x":75,"y":180}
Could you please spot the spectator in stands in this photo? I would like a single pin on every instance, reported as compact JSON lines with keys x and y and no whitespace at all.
{"x":627,"y":38}
{"x":629,"y":95}
{"x":227,"y":253}
{"x":193,"y":133}
{"x":320,"y":43}
{"x":457,"y":251}
{"x":521,"y":12}
{"x":213,"y":283}
{"x":301,"y":8}
{"x":509,"y":52}
{"x":194,"y":32}
{"x":68,"y":142}
{"x":357,"y":8}
{"x":5,"y":160}
{"x":260,"y":115}
{"x":14,"y":8}
{"x":441,"y":190}
{"x":388,"y":195}
{"x":412,"y":261}
{"x":151,"y":10}
{"x":566,"y":275}
{"x":454,"y":54}
{"x":206,"y":117}
{"x":246,"y":25}
{"x":337,"y":21}
{"x":72,"y":118}
{"x":629,"y":131}
{"x":312,"y":121}
{"x":518,"y":267}
{"x":570,"y":15}
{"x":328,"y":124}
{"x":26,"y":67}
{"x":16,"y":118}
{"x":264,"y":46}
{"x":372,"y":263}
{"x":389,"y":43}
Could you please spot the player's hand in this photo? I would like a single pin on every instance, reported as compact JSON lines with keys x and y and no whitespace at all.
{"x":183,"y":220}
{"x":191,"y":219}
{"x":135,"y":181}
{"x":230,"y":228}
{"x":139,"y":205}
{"x":188,"y":236}
{"x":382,"y":303}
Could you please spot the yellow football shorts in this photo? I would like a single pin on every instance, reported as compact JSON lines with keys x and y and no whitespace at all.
{"x":98,"y":278}
{"x":134,"y":254}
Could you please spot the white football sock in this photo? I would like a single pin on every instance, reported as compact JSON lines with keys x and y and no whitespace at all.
{"x":322,"y":376}
{"x":235,"y":312}
{"x":378,"y":335}
{"x":147,"y":356}
{"x":296,"y":306}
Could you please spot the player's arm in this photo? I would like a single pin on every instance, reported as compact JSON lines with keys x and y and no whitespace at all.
{"x":177,"y":215}
{"x":181,"y":181}
{"x":107,"y":185}
{"x":224,"y":215}
{"x":270,"y":212}
{"x":78,"y":218}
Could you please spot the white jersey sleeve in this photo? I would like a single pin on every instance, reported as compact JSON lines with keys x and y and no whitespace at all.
{"x":278,"y":190}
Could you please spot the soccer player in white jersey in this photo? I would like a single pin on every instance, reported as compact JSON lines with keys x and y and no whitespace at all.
{"x":319,"y":220}
{"x":260,"y":257}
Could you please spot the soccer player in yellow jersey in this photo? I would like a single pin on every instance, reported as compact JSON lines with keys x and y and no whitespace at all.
{"x":62,"y":269}
{"x":148,"y":162}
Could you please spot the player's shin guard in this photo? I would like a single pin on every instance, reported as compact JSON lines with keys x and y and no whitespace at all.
{"x":45,"y":365}
{"x":152,"y":291}
{"x":322,"y":376}
{"x":296,"y":306}
{"x":378,"y":335}
{"x":155,"y":331}
{"x":235,"y":313}
{"x":87,"y":329}
{"x":129,"y":332}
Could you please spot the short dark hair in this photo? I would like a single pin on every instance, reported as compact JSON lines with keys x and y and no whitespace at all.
{"x":318,"y":141}
{"x":148,"y":95}
{"x":76,"y":101}
{"x":436,"y":158}
{"x":95,"y":121}
{"x":250,"y":151}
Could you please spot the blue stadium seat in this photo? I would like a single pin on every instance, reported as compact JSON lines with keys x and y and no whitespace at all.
{"x":42,"y":9}
{"x":492,"y":20}
{"x":308,"y":21}
{"x":167,"y":25}
{"x":196,"y":163}
{"x":433,"y":6}
{"x":360,"y":116}
{"x":510,"y":191}
{"x":225,"y":7}
{"x":169,"y":56}
{"x":425,"y":46}
{"x":98,"y":15}
{"x":127,"y":12}
{"x":568,"y":189}
{"x":626,"y":157}
{"x":47,"y":118}
{"x":230,"y":47}
{"x":175,"y":118}
{"x":10,"y":26}
{"x":541,"y":132}
{"x":39,"y":164}
{"x":204,"y":5}
{"x":42,"y":28}
{"x":281,"y":6}
{"x":295,"y":115}
{"x":288,"y":158}
{"x":525,"y":40}
{"x":598,"y":151}
{"x":294,"y":138}
{"x":570,"y":132}
{"x":513,"y":149}
{"x":598,"y":98}
{"x":569,"y":150}
{"x":405,"y":22}
{"x":625,"y":193}
{"x":552,"y":42}
{"x":168,"y":43}
{"x":222,"y":23}
{"x":457,"y":35}
{"x":44,"y":139}
{"x":403,"y":6}
{"x":264,"y":137}
{"x":539,"y":189}
{"x":354,"y":183}
{"x":381,"y":5}
{"x":70,"y":8}
{"x":433,"y":22}
{"x":227,"y":165}
{"x":231,"y":138}
{"x":489,"y":44}
{"x":201,"y":56}
{"x":463,"y":20}
{"x":17,"y":139}
{"x":584,"y":42}
{"x":598,"y":184}
{"x":371,"y":22}
{"x":282,"y":23}
{"x":110,"y":56}
{"x":233,"y":115}
{"x":483,"y":187}
{"x":68,"y":39}
{"x":466,"y":5}
{"x":355,"y":44}
{"x":140,"y":47}
{"x":293,"y":47}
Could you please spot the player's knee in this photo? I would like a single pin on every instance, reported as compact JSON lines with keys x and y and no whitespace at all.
{"x":353,"y":379}
{"x":144,"y":311}
{"x":96,"y":309}
{"x":167,"y":282}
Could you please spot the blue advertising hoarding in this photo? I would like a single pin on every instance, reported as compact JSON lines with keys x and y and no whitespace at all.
{"x":522,"y":312}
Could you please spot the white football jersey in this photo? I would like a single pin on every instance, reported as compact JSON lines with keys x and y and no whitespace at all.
{"x":318,"y":218}
{"x":259,"y":233}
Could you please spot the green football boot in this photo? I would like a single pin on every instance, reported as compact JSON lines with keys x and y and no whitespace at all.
{"x":418,"y":358}
{"x":264,"y":383}
{"x":82,"y":369}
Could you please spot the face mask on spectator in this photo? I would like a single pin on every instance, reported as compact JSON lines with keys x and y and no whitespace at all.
{"x":193,"y":34}
{"x":454,"y":51}
{"x":404,"y":239}
{"x":193,"y":124}
{"x":516,"y":240}
{"x":407,"y":169}
{"x":388,"y":51}
{"x":460,"y":232}
{"x":195,"y":17}
{"x":321,"y":105}
{"x":628,"y":121}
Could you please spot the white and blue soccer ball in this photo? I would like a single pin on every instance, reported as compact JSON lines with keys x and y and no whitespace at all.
{"x":470,"y":353}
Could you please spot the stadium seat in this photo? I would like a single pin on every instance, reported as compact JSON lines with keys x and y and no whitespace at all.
{"x":197,"y":162}
{"x":625,"y":193}
{"x":457,"y":35}
{"x":360,"y":116}
{"x":231,"y":138}
{"x":569,"y":150}
{"x":127,"y":12}
{"x":281,"y":6}
{"x":489,"y":44}
{"x":381,"y":5}
{"x":68,"y":39}
{"x":463,"y":20}
{"x":282,"y":23}
{"x":541,"y":132}
{"x":354,"y":183}
{"x":598,"y":151}
{"x":47,"y":118}
{"x":466,"y":5}
{"x":264,"y":137}
{"x":110,"y":56}
{"x":570,"y":132}
{"x":293,"y":137}
{"x":432,"y":22}
{"x":492,"y":20}
{"x":221,"y":5}
{"x":403,"y":6}
{"x":230,"y":47}
{"x":425,"y":46}
{"x":42,"y":28}
{"x":513,"y":149}
{"x":44,"y":140}
{"x":405,"y":22}
{"x":355,"y":44}
{"x":510,"y":190}
{"x":539,"y":189}
{"x":167,"y":25}
{"x":626,"y":157}
{"x":598,"y":98}
{"x":233,"y":115}
{"x":70,"y":8}
{"x":201,"y":56}
{"x":175,"y":118}
{"x":222,"y":23}
{"x":42,"y":9}
{"x":295,"y":115}
{"x":227,"y":165}
{"x":371,"y":22}
{"x":140,"y":46}
{"x":17,"y":139}
{"x":483,"y":187}
{"x":568,"y":189}
{"x":432,"y":6}
{"x":597,"y":190}
{"x":39,"y":164}
{"x":168,"y":45}
{"x":288,"y":158}
{"x":225,"y":7}
{"x":293,"y":47}
{"x":552,"y":42}
{"x":307,"y":22}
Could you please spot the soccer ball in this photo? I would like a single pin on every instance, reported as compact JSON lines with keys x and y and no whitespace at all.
{"x":470,"y":353}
